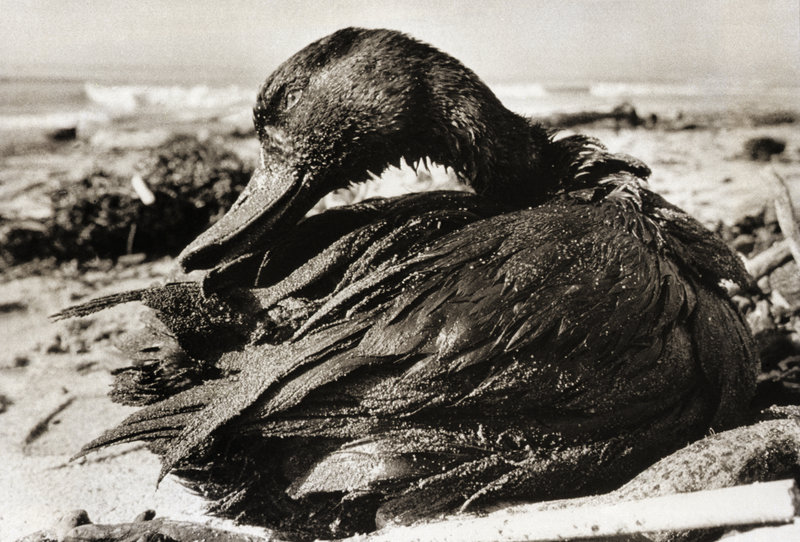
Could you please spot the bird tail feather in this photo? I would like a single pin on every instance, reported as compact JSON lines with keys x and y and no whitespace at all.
{"x":99,"y":304}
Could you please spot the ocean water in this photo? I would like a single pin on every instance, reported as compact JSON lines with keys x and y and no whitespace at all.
{"x":53,"y":98}
{"x":51,"y":103}
{"x":667,"y":98}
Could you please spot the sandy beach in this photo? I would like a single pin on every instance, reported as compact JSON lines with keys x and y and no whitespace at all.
{"x":54,"y":376}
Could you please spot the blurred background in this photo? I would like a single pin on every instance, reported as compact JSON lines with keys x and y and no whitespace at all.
{"x":71,"y":61}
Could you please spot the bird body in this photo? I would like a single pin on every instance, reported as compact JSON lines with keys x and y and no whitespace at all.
{"x":550,"y":335}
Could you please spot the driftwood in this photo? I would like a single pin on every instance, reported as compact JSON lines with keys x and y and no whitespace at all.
{"x":142,"y":190}
{"x":769,"y":260}
{"x":622,"y":115}
{"x":754,"y":504}
{"x":707,"y":484}
{"x":784,"y":532}
{"x":781,"y":252}
{"x":787,"y":219}
{"x":764,"y":263}
{"x":145,"y":529}
{"x":730,"y":460}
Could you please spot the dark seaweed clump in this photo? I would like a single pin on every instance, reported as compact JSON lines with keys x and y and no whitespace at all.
{"x":101,"y":216}
{"x":762,"y":149}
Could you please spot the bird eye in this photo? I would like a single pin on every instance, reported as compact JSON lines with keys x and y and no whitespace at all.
{"x":292,"y":97}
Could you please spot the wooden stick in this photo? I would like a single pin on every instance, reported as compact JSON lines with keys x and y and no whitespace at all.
{"x":787,"y":220}
{"x":783,"y":532}
{"x":142,"y":190}
{"x":770,"y":259}
{"x":754,"y":504}
{"x":764,"y":263}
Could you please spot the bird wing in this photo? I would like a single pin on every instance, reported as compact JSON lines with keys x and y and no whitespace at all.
{"x":501,"y":323}
{"x":699,"y":250}
{"x":548,"y":306}
{"x":558,"y":288}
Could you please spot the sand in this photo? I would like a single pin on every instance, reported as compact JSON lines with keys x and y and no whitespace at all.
{"x":54,"y":376}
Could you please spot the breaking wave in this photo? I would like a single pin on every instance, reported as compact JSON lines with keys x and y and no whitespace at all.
{"x":524,"y":91}
{"x":60,"y":119}
{"x":710,"y":88}
{"x":520,"y":91}
{"x":129,"y":98}
{"x":79,"y":104}
{"x":41,"y":103}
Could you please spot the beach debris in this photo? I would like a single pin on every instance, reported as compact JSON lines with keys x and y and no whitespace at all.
{"x":765,"y":241}
{"x":61,"y":529}
{"x":64,"y":134}
{"x":76,"y":526}
{"x":623,"y":115}
{"x":5,"y":402}
{"x":41,"y":427}
{"x":782,"y":532}
{"x":20,"y":360}
{"x":786,"y":216}
{"x":15,"y":361}
{"x":179,"y":191}
{"x":762,"y":149}
{"x":142,"y":190}
{"x":774,"y":118}
{"x":125,"y":139}
{"x":147,"y":515}
{"x":697,"y":493}
{"x":770,"y":503}
{"x":13,"y":306}
{"x":767,"y":261}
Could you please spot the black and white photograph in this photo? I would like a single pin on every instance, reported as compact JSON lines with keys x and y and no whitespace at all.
{"x":410,"y":270}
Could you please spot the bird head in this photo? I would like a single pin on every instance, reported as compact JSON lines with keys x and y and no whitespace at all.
{"x":350,"y":105}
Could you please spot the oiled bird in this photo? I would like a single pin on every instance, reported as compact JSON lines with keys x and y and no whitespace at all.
{"x":549,"y":335}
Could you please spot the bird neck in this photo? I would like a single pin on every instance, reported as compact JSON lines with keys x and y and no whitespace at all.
{"x":512,"y":160}
{"x":501,"y":155}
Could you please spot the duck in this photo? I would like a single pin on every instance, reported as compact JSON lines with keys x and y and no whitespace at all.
{"x":548,"y":334}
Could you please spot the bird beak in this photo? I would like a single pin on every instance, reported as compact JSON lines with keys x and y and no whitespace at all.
{"x":270,"y":199}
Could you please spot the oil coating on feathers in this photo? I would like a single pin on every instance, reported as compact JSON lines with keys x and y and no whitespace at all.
{"x":550,"y":335}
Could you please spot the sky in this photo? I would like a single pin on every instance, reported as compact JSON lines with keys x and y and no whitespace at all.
{"x":506,"y":41}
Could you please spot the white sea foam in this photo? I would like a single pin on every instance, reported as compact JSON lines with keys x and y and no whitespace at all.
{"x":44,"y":104}
{"x":704,"y":88}
{"x":520,"y":91}
{"x":621,"y":89}
{"x":102,"y":104}
{"x":55,"y":120}
{"x":129,"y":98}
